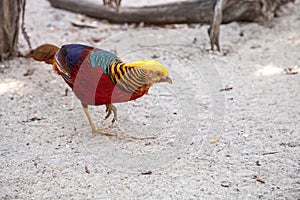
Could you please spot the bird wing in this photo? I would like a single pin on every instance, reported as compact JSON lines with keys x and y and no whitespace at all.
{"x":69,"y":59}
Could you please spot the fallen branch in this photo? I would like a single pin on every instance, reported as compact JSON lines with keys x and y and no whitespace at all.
{"x":178,"y":12}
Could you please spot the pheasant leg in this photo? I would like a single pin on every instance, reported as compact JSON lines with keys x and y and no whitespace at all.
{"x":94,"y":129}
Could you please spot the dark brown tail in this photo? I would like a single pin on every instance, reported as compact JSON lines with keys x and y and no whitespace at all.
{"x":45,"y":52}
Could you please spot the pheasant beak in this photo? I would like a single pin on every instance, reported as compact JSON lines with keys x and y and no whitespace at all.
{"x":168,"y":79}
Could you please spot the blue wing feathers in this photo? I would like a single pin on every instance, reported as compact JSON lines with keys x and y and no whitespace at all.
{"x":74,"y":54}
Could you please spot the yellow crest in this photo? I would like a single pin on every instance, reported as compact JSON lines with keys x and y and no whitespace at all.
{"x":150,"y":65}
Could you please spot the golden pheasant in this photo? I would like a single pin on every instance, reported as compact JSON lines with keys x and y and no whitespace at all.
{"x":98,"y":77}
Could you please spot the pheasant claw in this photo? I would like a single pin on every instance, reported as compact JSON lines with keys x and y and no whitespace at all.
{"x":99,"y":131}
{"x":111,"y":109}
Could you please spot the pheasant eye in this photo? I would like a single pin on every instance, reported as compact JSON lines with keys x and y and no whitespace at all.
{"x":158,"y":73}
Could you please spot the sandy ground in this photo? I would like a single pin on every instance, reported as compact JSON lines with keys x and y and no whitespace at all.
{"x":188,"y":140}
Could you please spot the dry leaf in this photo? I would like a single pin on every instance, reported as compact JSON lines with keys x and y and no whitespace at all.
{"x":255,"y":46}
{"x":96,"y":39}
{"x":87,"y":170}
{"x":29,"y":72}
{"x":225,"y":184}
{"x":291,"y":71}
{"x":66,"y":92}
{"x":146,"y":173}
{"x":213,"y":140}
{"x":258,"y":179}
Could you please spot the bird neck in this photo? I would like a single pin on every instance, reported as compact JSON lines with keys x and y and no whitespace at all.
{"x":131,"y":79}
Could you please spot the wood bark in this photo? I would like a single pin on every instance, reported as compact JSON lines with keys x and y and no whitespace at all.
{"x":9,"y":27}
{"x":214,"y":29}
{"x":200,"y":11}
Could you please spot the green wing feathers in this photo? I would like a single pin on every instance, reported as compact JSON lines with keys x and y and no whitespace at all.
{"x":104,"y":59}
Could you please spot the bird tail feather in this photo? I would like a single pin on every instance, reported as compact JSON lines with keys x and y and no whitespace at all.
{"x":45,"y":52}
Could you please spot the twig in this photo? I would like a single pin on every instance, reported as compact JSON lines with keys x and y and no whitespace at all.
{"x":226,"y":89}
{"x":267,"y":153}
{"x":24,"y":32}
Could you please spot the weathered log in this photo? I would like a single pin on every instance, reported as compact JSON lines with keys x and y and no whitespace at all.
{"x":9,"y":27}
{"x":199,"y":11}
